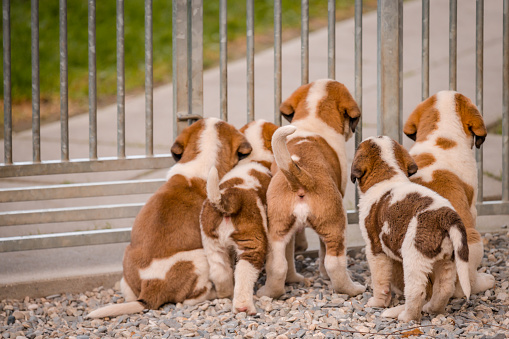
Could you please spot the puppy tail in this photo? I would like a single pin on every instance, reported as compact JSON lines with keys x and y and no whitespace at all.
{"x":458,"y":237}
{"x":297,"y":177}
{"x":225,"y":203}
{"x":117,"y":309}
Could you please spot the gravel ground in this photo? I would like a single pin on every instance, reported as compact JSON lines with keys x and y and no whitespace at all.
{"x":303,"y":312}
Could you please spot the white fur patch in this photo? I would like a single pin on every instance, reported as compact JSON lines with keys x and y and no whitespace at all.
{"x":301,"y":213}
{"x":254,"y":134}
{"x":459,"y":157}
{"x":158,"y":268}
{"x":209,"y":145}
{"x":242,"y":172}
{"x":295,"y":158}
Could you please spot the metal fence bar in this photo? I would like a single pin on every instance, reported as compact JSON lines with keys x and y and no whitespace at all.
{"x":120,"y":81}
{"x":278,"y":46}
{"x":36,"y":89}
{"x":59,"y":240}
{"x":92,"y":82}
{"x":358,"y":78}
{"x":86,"y":165}
{"x":6,"y":28}
{"x":505,"y":105}
{"x":453,"y":43}
{"x":180,"y":59}
{"x":81,"y":190}
{"x":389,"y":54}
{"x":223,"y":59}
{"x":331,"y":45}
{"x":479,"y":87}
{"x":197,"y":58}
{"x":425,"y":50}
{"x":64,"y":87}
{"x":304,"y":42}
{"x":55,"y":215}
{"x":250,"y":59}
{"x":149,"y":81}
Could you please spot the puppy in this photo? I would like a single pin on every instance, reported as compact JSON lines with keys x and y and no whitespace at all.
{"x":307,"y":189}
{"x":165,"y":261}
{"x":445,"y":127}
{"x":235,"y":217}
{"x":409,"y":223}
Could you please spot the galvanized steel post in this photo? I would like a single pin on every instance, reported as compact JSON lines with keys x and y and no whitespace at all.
{"x":6,"y":27}
{"x":64,"y":88}
{"x":223,"y":59}
{"x":120,"y":81}
{"x":453,"y":43}
{"x":180,"y":59}
{"x":149,"y":81}
{"x":389,"y":56}
{"x":358,"y":78}
{"x":92,"y":82}
{"x":479,"y":65}
{"x":425,"y":50}
{"x":304,"y":42}
{"x":277,"y":62}
{"x":250,"y":59}
{"x":196,"y":60}
{"x":331,"y":45}
{"x":36,"y":92}
{"x":505,"y":106}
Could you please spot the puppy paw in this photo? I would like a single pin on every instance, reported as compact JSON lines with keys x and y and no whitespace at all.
{"x":483,"y":282}
{"x":378,"y":302}
{"x":295,"y":278}
{"x":246,"y":306}
{"x":406,"y":317}
{"x":265,"y":291}
{"x":393,"y":312}
{"x":355,"y":289}
{"x":433,"y":309}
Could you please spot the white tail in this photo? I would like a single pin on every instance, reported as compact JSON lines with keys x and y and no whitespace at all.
{"x":462,"y":266}
{"x":117,"y":309}
{"x":281,"y":154}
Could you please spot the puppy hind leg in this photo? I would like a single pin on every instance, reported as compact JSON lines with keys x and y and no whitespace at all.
{"x":220,"y":269}
{"x":275,"y":268}
{"x":416,"y":279}
{"x":479,"y":282}
{"x":291,"y":275}
{"x":340,"y":277}
{"x":443,"y":287}
{"x":246,"y":275}
{"x":321,"y":266}
{"x":380,"y":266}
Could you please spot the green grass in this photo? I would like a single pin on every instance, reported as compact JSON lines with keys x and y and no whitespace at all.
{"x":134,"y":46}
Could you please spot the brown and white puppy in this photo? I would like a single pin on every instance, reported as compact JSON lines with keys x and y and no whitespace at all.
{"x":234,"y":218}
{"x":307,"y":190}
{"x":445,"y":127}
{"x":409,"y":223}
{"x":165,"y":261}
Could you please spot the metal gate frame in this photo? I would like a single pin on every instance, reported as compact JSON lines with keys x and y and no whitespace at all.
{"x":188,"y":106}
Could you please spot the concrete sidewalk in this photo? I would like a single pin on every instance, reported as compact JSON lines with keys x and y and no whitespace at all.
{"x":44,"y":272}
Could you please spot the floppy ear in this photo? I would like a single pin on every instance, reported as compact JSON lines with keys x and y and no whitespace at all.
{"x":244,"y":149}
{"x":471,"y":119}
{"x":268,"y":131}
{"x":404,"y":159}
{"x":288,"y":107}
{"x":357,"y":171}
{"x":410,"y":128}
{"x":177,"y":150}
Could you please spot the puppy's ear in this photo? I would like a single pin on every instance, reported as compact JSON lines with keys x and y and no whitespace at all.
{"x":357,"y":171}
{"x":177,"y":150}
{"x":410,"y":128}
{"x":289,"y":106}
{"x":268,"y":130}
{"x":405,"y":161}
{"x":244,"y":150}
{"x":471,"y":119}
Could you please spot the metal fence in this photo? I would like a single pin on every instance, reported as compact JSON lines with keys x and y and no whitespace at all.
{"x":188,"y":106}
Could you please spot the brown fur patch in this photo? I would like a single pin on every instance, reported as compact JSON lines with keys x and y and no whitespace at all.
{"x":423,"y":120}
{"x":405,"y":161}
{"x":445,"y":143}
{"x":233,"y":143}
{"x":424,"y":160}
{"x":178,"y":285}
{"x":459,"y":194}
{"x":185,"y":148}
{"x":368,"y":167}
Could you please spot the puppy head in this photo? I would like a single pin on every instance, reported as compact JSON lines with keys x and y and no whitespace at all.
{"x":423,"y":120}
{"x":259,"y":134}
{"x":379,"y":159}
{"x":213,"y":142}
{"x":327,"y":100}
